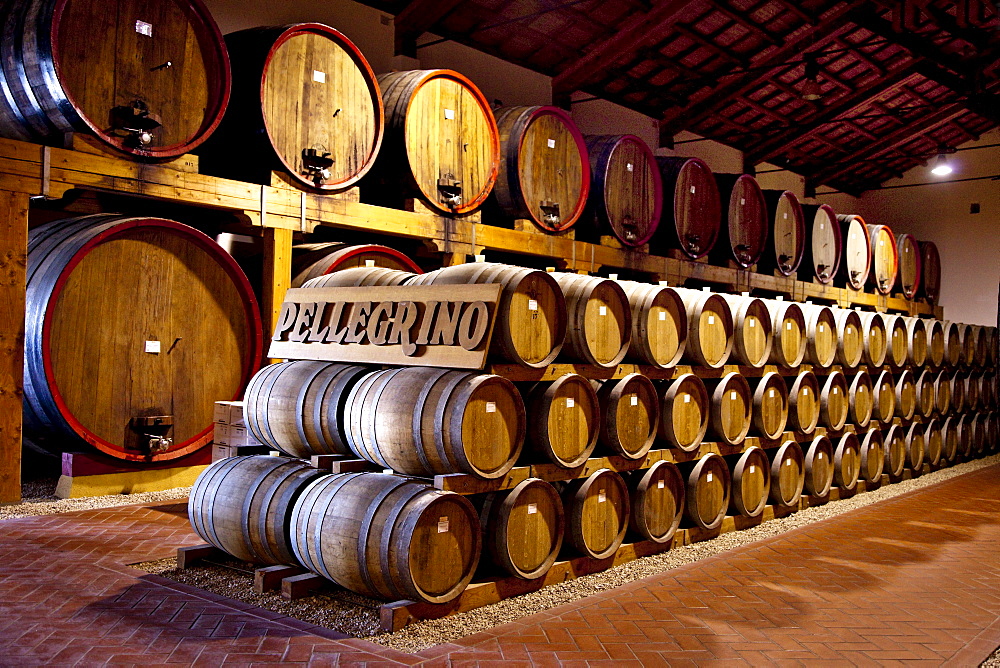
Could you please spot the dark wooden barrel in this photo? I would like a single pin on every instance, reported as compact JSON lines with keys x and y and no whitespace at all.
{"x":685,"y":407}
{"x":599,"y":319}
{"x":325,"y":258}
{"x":657,"y":500}
{"x":965,"y":435}
{"x":563,"y":420}
{"x":908,"y":254}
{"x":968,"y":344}
{"x":710,"y":328}
{"x":822,"y":257}
{"x":847,"y":461}
{"x":523,"y":528}
{"x":935,"y":341}
{"x":156,"y":91}
{"x":531,"y":316}
{"x":950,"y":438}
{"x":770,"y":405}
{"x":787,"y":231}
{"x":626,"y":193}
{"x":913,"y":437}
{"x":751,"y":482}
{"x":958,"y":399}
{"x":709,"y":485}
{"x":906,"y":395}
{"x":298,"y":407}
{"x":360,"y":277}
{"x":630,"y":415}
{"x":744,"y":234}
{"x":242,"y":506}
{"x":691,"y":210}
{"x":597,"y":513}
{"x":952,"y":343}
{"x":441,"y":142}
{"x":834,"y":403}
{"x":166,"y":314}
{"x":982,"y":344}
{"x":897,"y":340}
{"x":933,"y":442}
{"x":787,"y":475}
{"x":305,"y":103}
{"x":895,"y":451}
{"x":850,"y":337}
{"x":872,"y":456}
{"x":942,"y":392}
{"x":916,"y":341}
{"x":788,"y":324}
{"x":387,"y":537}
{"x":884,"y":259}
{"x":884,"y":392}
{"x":422,"y":421}
{"x":752,"y":329}
{"x":544,"y":169}
{"x":972,"y":398}
{"x":659,"y":324}
{"x":930,"y":271}
{"x":861,"y":399}
{"x":857,"y":253}
{"x":874,"y":335}
{"x":926,"y":392}
{"x":803,"y":403}
{"x":732,"y":408}
{"x":821,"y":331}
{"x":819,"y":467}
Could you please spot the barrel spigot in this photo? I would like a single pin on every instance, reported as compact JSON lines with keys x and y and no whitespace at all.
{"x":450,"y":191}
{"x":136,"y":121}
{"x":316,"y":166}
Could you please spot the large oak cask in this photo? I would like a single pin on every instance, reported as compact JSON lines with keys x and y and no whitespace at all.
{"x":952,"y":343}
{"x":685,"y":407}
{"x":926,"y":392}
{"x":598,"y":319}
{"x":710,"y":328}
{"x":824,"y":245}
{"x":930,"y":271}
{"x":597,"y":513}
{"x":857,"y":254}
{"x":933,"y":442}
{"x":942,"y":392}
{"x":159,"y":309}
{"x":916,"y":341}
{"x":691,"y":209}
{"x":323,"y":258}
{"x":885,"y":261}
{"x":744,"y":232}
{"x":657,"y":498}
{"x":908,"y":253}
{"x":626,"y":193}
{"x":787,"y":230}
{"x":563,"y":420}
{"x":708,"y":488}
{"x":659,"y":324}
{"x":898,"y":340}
{"x":523,"y":528}
{"x":950,"y":438}
{"x":935,"y":341}
{"x":787,"y":474}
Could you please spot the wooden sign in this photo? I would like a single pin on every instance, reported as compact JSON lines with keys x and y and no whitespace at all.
{"x":407,"y":325}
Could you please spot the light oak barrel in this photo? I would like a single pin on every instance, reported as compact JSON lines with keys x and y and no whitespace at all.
{"x":626,"y":192}
{"x":360,"y":277}
{"x":544,"y":168}
{"x":305,"y":103}
{"x":872,"y":456}
{"x":951,"y":439}
{"x":916,"y":341}
{"x":952,"y":343}
{"x":752,"y":330}
{"x":933,"y":442}
{"x":935,"y":341}
{"x":906,"y":395}
{"x":930,"y":271}
{"x":709,"y":485}
{"x":787,"y":475}
{"x":915,"y":446}
{"x":441,"y":142}
{"x":819,"y":467}
{"x":908,"y":253}
{"x":847,"y":461}
{"x":751,"y":482}
{"x":387,"y":537}
{"x":898,"y":340}
{"x":242,"y":505}
{"x":942,"y":392}
{"x":895,"y":450}
{"x":175,"y":293}
{"x":710,"y":337}
{"x":317,"y":259}
{"x":531,"y":316}
{"x":692,"y":212}
{"x":874,"y":337}
{"x":958,"y":399}
{"x":657,"y":498}
{"x":423,"y":422}
{"x":659,"y":324}
{"x":824,"y":246}
{"x":523,"y":528}
{"x":804,"y":403}
{"x":884,"y":392}
{"x":821,"y":333}
{"x":770,"y":405}
{"x":745,"y":222}
{"x":850,"y":337}
{"x":857,"y":254}
{"x":298,"y":407}
{"x":564,"y":419}
{"x":732,"y":408}
{"x":885,"y":260}
{"x":926,"y":392}
{"x":685,"y":407}
{"x":788,"y":324}
{"x":597,"y":513}
{"x":834,"y":402}
{"x":787,"y":231}
{"x":156,"y":91}
{"x":598,"y":319}
{"x":630,"y":415}
{"x":861,"y":399}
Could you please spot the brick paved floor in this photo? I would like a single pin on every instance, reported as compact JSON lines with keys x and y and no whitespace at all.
{"x":914,"y":579}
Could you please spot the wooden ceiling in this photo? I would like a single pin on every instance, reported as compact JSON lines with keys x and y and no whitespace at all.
{"x":899,"y":81}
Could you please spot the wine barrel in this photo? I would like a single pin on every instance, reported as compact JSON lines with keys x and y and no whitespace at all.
{"x":241,"y":505}
{"x":329,"y":257}
{"x":951,"y":438}
{"x":305,"y":103}
{"x":732,"y":408}
{"x":360,"y":277}
{"x":872,"y":456}
{"x":387,"y":537}
{"x":874,"y":336}
{"x":884,"y":393}
{"x":914,"y":439}
{"x":926,"y":392}
{"x":752,"y":333}
{"x":993,"y":349}
{"x":626,"y":193}
{"x":942,"y":392}
{"x":177,"y":329}
{"x":744,"y":222}
{"x":977,"y":424}
{"x":968,"y":345}
{"x":597,"y":513}
{"x":599,"y":319}
{"x":895,"y":451}
{"x":821,"y":332}
{"x":659,"y":324}
{"x":933,"y":442}
{"x":935,"y":341}
{"x":987,"y":398}
{"x":563,"y":420}
{"x":884,"y":259}
{"x":422,"y":421}
{"x":770,"y":405}
{"x":544,"y":169}
{"x":630,"y":412}
{"x":847,"y":461}
{"x":523,"y":528}
{"x":963,"y":426}
{"x":787,"y":229}
{"x":952,"y":343}
{"x":857,"y":259}
{"x":708,"y":488}
{"x":803,"y":403}
{"x":833,"y":401}
{"x":906,"y":395}
{"x":850,"y":337}
{"x":908,"y":253}
{"x":971,"y":392}
{"x":824,"y":248}
{"x":710,"y":328}
{"x":657,"y":500}
{"x":993,"y":439}
{"x":819,"y":467}
{"x":958,"y":399}
{"x":298,"y":407}
{"x":861,"y":400}
{"x":916,"y":341}
{"x":897,"y":339}
{"x":684,"y":412}
{"x":751,"y":482}
{"x":157,"y":90}
{"x":530,"y":325}
{"x":691,"y":214}
{"x":788,"y":347}
{"x":930,"y":271}
{"x":981,"y":340}
{"x":441,"y":142}
{"x":787,"y":475}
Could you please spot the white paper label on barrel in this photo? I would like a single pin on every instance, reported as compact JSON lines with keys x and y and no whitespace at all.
{"x":552,"y":143}
{"x":743,"y":201}
{"x":153,"y":347}
{"x":449,"y":114}
{"x":770,"y":393}
{"x":853,"y":236}
{"x":692,"y":190}
{"x":570,"y":402}
{"x":821,"y":226}
{"x":835,"y":390}
{"x":491,"y":407}
{"x":443,"y":525}
{"x":881,"y":242}
{"x":732,"y":395}
{"x":532,"y":305}
{"x":629,"y":166}
{"x":788,"y":326}
{"x":784,"y":216}
{"x":633,"y":400}
{"x":906,"y":249}
{"x":602,"y":310}
{"x":687,"y":398}
{"x":369,"y":263}
{"x":532,"y":508}
{"x":144,"y":28}
{"x":819,"y":455}
{"x":711,"y":319}
{"x":602,"y":496}
{"x":805,"y":390}
{"x":752,"y":468}
{"x":822,"y":328}
{"x":788,"y":462}
{"x":613,"y":277}
{"x":709,"y":478}
{"x":659,"y":484}
{"x":663,"y":315}
{"x":319,"y":77}
{"x":753,"y":323}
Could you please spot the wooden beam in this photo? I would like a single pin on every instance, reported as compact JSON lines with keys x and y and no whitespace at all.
{"x":277,"y":276}
{"x":13,"y":259}
{"x":416,"y":19}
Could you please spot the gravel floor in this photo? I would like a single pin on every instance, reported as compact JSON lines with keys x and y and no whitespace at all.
{"x":38,"y":498}
{"x":355,"y":615}
{"x":993,"y":661}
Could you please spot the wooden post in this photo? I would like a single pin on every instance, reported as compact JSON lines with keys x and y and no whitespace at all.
{"x":13,"y":259}
{"x":277,"y":276}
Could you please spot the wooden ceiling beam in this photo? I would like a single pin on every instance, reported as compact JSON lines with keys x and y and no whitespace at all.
{"x":416,"y":19}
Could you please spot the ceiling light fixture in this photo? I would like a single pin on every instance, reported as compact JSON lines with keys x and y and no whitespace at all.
{"x":941,"y":166}
{"x":811,"y":90}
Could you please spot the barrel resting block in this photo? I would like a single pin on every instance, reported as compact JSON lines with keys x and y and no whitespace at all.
{"x":87,"y":474}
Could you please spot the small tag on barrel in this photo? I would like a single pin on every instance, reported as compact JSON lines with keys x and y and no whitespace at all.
{"x":532,"y":508}
{"x":443,"y":525}
{"x":569,"y":402}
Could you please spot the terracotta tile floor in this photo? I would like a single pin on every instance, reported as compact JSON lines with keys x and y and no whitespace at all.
{"x":914,"y":579}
